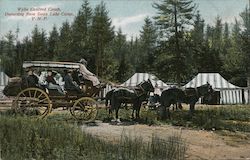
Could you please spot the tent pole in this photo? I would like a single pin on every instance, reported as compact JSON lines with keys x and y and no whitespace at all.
{"x":248,"y":88}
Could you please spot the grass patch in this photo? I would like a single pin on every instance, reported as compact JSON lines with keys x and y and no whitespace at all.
{"x":25,"y":138}
{"x":232,"y":118}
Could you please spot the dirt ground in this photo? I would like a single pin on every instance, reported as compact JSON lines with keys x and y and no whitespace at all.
{"x":201,"y":144}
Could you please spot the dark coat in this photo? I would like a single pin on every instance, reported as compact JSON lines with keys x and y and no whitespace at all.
{"x":32,"y":80}
{"x":69,"y":85}
{"x":50,"y":79}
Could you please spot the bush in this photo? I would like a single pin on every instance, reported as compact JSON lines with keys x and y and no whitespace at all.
{"x":25,"y":138}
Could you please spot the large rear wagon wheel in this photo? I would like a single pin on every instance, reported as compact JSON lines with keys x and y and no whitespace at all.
{"x":84,"y":109}
{"x":34,"y":102}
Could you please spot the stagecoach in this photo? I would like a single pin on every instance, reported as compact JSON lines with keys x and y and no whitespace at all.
{"x":39,"y":101}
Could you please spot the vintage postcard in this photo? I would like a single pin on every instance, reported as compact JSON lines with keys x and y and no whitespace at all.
{"x":124,"y":79}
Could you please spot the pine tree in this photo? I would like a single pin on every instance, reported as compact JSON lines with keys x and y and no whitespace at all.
{"x":217,"y":35}
{"x":245,"y":36}
{"x":8,"y":54}
{"x":39,"y":45}
{"x":148,"y":39}
{"x":198,"y":42}
{"x":174,"y":16}
{"x":81,"y":45}
{"x":53,"y":41}
{"x":101,"y":36}
{"x":214,"y":47}
{"x":120,"y":49}
{"x":27,"y":48}
{"x":65,"y":43}
{"x":134,"y":53}
{"x":227,"y":44}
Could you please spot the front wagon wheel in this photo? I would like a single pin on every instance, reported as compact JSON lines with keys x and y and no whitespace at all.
{"x":34,"y":102}
{"x":84,"y":109}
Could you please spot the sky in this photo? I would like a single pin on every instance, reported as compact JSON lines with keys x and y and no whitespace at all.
{"x":128,"y":15}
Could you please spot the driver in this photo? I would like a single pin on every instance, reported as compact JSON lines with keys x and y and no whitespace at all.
{"x":87,"y":74}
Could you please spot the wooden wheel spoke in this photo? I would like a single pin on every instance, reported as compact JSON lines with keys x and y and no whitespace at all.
{"x":42,"y":100}
{"x":45,"y":105}
{"x":30,"y":94}
{"x":23,"y":94}
{"x":35,"y":94}
{"x":40,"y":95}
{"x":81,"y":105}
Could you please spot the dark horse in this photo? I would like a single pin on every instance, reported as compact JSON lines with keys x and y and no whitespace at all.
{"x":108,"y":97}
{"x":134,"y":96}
{"x":177,"y":96}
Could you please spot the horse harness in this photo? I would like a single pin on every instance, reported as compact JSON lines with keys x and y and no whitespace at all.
{"x":137,"y":90}
{"x":190,"y":95}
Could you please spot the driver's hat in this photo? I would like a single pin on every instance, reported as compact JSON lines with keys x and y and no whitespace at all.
{"x":83,"y":61}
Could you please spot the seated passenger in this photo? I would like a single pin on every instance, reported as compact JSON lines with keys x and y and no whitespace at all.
{"x":42,"y":79}
{"x":76,"y":78}
{"x":70,"y":85}
{"x":32,"y":80}
{"x":61,"y":82}
{"x":52,"y":83}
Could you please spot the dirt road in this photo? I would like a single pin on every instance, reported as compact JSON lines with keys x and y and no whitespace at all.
{"x":201,"y":144}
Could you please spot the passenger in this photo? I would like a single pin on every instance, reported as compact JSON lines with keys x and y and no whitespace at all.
{"x":87,"y":74}
{"x":42,"y":78}
{"x":70,"y":85}
{"x":32,"y":80}
{"x":52,"y":83}
{"x":61,"y":82}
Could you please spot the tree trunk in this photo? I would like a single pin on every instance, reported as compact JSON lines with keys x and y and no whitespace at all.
{"x":177,"y":47}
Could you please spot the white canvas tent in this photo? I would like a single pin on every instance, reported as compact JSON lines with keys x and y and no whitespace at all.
{"x":139,"y":77}
{"x":229,"y":93}
{"x":3,"y":82}
{"x":135,"y":80}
